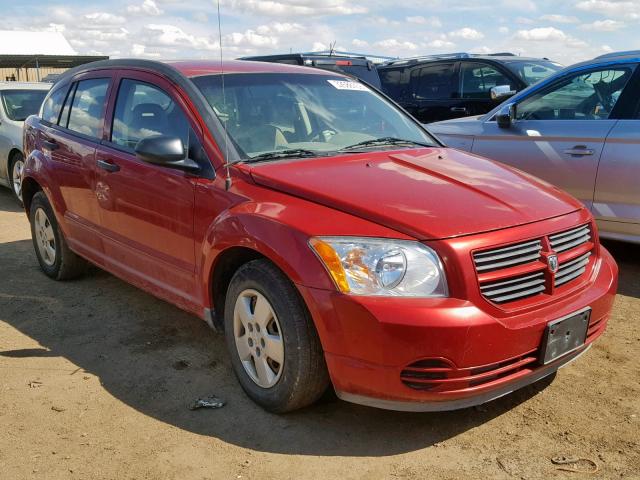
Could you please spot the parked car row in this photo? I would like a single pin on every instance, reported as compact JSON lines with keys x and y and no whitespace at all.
{"x":334,"y":240}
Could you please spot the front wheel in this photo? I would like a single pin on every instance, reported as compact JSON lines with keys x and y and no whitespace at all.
{"x":275,"y":349}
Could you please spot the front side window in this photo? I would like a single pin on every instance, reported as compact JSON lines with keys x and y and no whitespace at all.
{"x":143,"y":110}
{"x":477,"y":80}
{"x":586,"y":96}
{"x":434,"y":82}
{"x":19,"y":104}
{"x":53,"y":104}
{"x":270,"y":112}
{"x":87,"y":107}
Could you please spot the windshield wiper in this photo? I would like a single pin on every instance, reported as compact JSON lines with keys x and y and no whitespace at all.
{"x":292,"y":153}
{"x":385,"y":141}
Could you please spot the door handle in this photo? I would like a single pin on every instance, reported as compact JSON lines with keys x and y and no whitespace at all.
{"x":580,"y":151}
{"x":459,"y":109}
{"x":108,"y":166}
{"x":50,"y":144}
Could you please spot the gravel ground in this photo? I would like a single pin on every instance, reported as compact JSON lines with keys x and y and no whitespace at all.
{"x":96,"y":376}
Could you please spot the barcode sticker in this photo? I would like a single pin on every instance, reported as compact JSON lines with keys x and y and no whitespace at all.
{"x":348,"y":85}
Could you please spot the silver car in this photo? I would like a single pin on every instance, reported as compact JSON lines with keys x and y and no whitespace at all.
{"x":17,"y":102}
{"x":579,"y":130}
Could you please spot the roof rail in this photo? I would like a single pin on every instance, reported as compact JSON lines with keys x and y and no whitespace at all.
{"x":336,"y":53}
{"x":501,"y":54}
{"x":619,"y":54}
{"x":438,"y":56}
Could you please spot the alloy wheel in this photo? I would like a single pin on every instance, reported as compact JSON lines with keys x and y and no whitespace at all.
{"x":258,"y":338}
{"x":16,"y":177}
{"x":45,"y":238}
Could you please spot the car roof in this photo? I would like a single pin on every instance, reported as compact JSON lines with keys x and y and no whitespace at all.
{"x":307,"y":56}
{"x":24,"y":86}
{"x":194,"y":68}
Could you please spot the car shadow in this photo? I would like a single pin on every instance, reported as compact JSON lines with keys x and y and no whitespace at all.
{"x":628,"y":259}
{"x":158,"y":359}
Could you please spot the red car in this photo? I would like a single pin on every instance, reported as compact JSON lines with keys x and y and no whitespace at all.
{"x":331,"y":237}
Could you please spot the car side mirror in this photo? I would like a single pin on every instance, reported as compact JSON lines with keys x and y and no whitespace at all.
{"x":501,"y":92}
{"x":165,"y":151}
{"x":507,"y":115}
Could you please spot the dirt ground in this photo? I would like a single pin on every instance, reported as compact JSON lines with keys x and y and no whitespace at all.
{"x":96,"y":376}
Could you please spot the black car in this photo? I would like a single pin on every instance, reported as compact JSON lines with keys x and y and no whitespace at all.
{"x":441,"y":87}
{"x":350,"y":64}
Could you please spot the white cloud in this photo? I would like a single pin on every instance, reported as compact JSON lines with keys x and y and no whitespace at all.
{"x":356,"y":42}
{"x":390,"y":43}
{"x":292,"y":8}
{"x":420,"y":20}
{"x":440,"y":44}
{"x":559,"y":18}
{"x":526,"y":5}
{"x":542,"y":34}
{"x":467,"y":33}
{"x":105,"y":18}
{"x":616,"y":8}
{"x":503,"y":30}
{"x":603,"y":26}
{"x":172,"y":36}
{"x":148,"y":7}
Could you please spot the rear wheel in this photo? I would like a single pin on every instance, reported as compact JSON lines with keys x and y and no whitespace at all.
{"x":16,"y":166}
{"x":54,"y":256}
{"x":275,"y":349}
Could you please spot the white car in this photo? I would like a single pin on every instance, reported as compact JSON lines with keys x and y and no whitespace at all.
{"x":17,"y":101}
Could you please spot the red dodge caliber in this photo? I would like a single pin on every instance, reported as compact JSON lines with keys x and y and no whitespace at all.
{"x":322,"y":228}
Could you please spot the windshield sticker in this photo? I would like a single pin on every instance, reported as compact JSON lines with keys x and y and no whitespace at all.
{"x":348,"y":85}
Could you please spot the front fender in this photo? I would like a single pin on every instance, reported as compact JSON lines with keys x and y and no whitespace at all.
{"x":281,"y":243}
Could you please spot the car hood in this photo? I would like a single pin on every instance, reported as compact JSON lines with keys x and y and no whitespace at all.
{"x":427,"y":193}
{"x":469,"y":126}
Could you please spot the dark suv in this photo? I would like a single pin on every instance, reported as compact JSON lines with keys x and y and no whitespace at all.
{"x":351,"y":64}
{"x":441,"y":87}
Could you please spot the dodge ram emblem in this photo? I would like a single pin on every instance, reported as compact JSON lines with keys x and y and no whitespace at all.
{"x":552,"y":261}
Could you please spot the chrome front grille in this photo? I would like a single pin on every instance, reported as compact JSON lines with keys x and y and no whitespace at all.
{"x":572,"y":269}
{"x":515,"y":288}
{"x":564,"y":241}
{"x":507,"y":256}
{"x":521,"y":270}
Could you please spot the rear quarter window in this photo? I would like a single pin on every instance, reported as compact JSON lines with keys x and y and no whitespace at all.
{"x":53,"y":104}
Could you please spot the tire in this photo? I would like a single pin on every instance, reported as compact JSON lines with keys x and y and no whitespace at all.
{"x":301,"y":378}
{"x":15,"y":167}
{"x":54,"y":256}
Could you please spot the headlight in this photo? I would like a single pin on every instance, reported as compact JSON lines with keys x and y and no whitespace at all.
{"x":381,"y":267}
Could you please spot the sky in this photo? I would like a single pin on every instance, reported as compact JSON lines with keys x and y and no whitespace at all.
{"x":566,"y":31}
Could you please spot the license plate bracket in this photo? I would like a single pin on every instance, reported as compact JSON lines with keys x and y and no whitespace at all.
{"x":564,"y":335}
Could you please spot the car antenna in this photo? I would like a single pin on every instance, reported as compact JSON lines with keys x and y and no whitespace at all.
{"x":227,"y":179}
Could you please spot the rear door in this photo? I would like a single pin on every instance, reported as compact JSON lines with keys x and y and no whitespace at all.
{"x":560,"y":130}
{"x":69,"y":138}
{"x":147,"y":211}
{"x":434,"y":92}
{"x":617,"y":196}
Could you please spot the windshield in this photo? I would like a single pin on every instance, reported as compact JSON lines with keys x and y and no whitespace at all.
{"x":19,"y":104}
{"x":532,"y":72}
{"x":320,"y":114}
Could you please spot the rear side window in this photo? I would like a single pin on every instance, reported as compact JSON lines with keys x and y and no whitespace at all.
{"x":477,"y":80}
{"x":143,"y":110}
{"x":52,"y":105}
{"x":87,"y":108}
{"x":433,"y":82}
{"x":393,"y":83}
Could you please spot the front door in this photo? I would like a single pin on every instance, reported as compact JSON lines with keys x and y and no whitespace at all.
{"x":147,"y":210}
{"x":559,"y":132}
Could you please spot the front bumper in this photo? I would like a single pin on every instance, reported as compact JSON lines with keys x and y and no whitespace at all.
{"x":461,"y":354}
